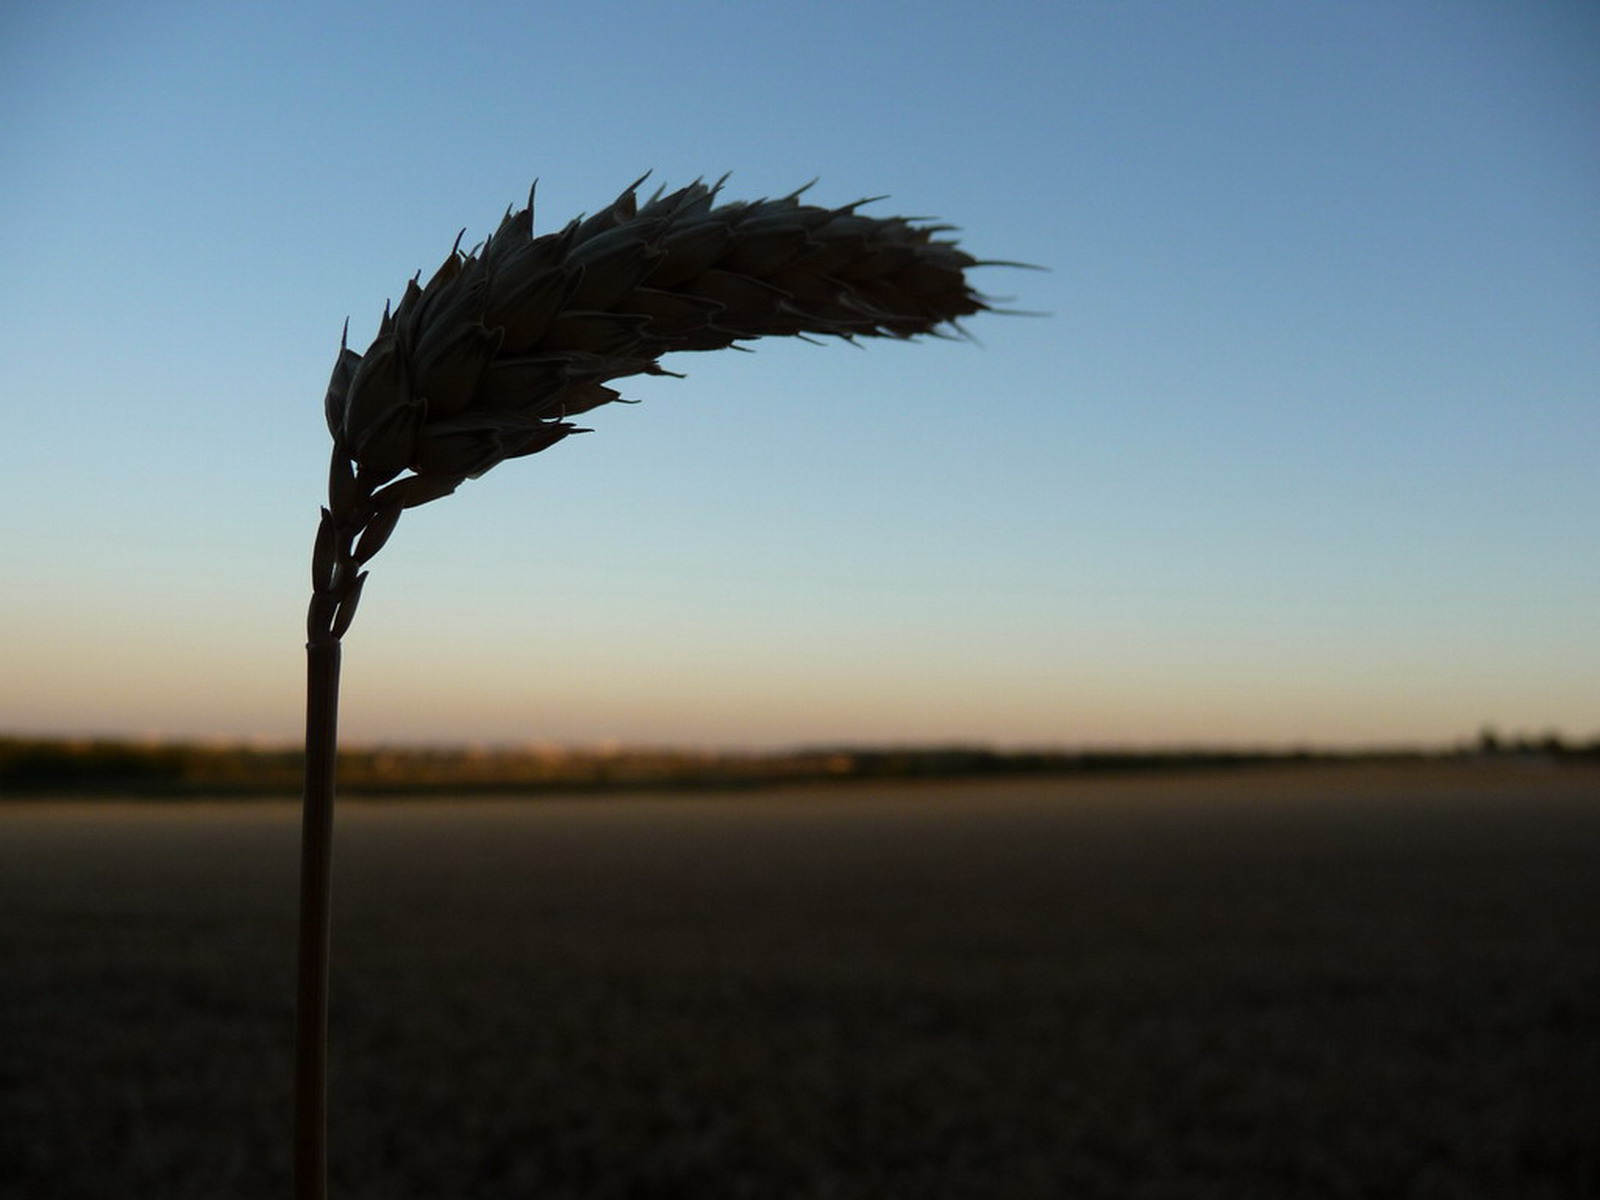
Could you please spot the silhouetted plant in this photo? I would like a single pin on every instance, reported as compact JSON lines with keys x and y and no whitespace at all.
{"x":488,"y":361}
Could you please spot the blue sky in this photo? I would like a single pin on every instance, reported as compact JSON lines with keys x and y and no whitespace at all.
{"x":1304,"y":452}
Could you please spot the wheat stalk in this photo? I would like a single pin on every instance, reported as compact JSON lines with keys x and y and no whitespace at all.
{"x":489,"y":359}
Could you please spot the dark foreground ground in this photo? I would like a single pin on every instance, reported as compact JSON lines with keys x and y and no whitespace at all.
{"x":1326,"y":982}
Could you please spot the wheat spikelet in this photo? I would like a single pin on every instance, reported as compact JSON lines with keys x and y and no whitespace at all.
{"x":488,"y":359}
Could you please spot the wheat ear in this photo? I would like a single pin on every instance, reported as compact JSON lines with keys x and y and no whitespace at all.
{"x":489,"y":359}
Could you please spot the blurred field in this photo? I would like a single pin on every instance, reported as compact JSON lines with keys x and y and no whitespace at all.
{"x":1345,"y":981}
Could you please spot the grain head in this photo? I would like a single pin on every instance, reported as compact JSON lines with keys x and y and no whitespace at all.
{"x":493,"y":355}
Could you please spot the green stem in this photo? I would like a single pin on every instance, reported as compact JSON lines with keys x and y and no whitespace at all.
{"x":316,"y":855}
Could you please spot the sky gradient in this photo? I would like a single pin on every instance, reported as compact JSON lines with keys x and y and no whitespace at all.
{"x":1304,"y":452}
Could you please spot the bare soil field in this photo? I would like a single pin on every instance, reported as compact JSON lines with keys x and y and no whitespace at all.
{"x":1346,"y":981}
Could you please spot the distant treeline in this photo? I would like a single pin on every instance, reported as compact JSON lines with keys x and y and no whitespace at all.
{"x":46,"y":766}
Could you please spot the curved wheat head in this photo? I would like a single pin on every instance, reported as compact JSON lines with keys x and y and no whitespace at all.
{"x":491,"y":357}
